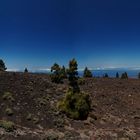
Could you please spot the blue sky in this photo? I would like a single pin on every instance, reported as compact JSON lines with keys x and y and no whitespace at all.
{"x":98,"y":33}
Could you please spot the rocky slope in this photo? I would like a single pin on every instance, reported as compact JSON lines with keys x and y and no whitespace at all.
{"x":29,"y":101}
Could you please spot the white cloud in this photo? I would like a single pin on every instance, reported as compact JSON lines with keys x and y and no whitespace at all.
{"x":14,"y":70}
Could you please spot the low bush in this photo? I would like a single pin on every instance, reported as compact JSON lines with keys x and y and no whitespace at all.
{"x":75,"y":105}
{"x":7,"y":125}
{"x":9,"y":111}
{"x":8,"y":96}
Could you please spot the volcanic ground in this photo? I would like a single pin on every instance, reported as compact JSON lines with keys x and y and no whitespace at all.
{"x":29,"y":101}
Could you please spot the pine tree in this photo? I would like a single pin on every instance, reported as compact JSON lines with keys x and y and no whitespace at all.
{"x":124,"y":75}
{"x":139,"y":75}
{"x":87,"y":73}
{"x":2,"y":65}
{"x":56,"y":73}
{"x":105,"y":75}
{"x":75,"y":104}
{"x":63,"y":72}
{"x":72,"y":72}
{"x":117,"y":75}
{"x":26,"y":70}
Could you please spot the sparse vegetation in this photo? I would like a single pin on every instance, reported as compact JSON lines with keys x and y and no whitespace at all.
{"x":43,"y":100}
{"x":8,"y":96}
{"x":2,"y":65}
{"x":32,"y":118}
{"x":9,"y":111}
{"x":33,"y":100}
{"x":87,"y":73}
{"x":7,"y":125}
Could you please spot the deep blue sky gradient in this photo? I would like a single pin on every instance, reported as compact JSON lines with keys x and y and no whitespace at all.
{"x":98,"y":33}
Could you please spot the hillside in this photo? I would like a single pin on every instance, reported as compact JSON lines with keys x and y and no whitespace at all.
{"x":30,"y":102}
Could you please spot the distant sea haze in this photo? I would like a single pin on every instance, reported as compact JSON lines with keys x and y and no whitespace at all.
{"x":132,"y":73}
{"x":112,"y":73}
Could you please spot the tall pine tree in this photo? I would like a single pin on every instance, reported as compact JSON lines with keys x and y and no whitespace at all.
{"x":87,"y":73}
{"x":72,"y":72}
{"x":2,"y":65}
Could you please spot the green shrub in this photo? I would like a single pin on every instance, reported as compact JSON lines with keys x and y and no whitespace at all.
{"x":7,"y":125}
{"x":8,"y":96}
{"x":9,"y":111}
{"x":75,"y":105}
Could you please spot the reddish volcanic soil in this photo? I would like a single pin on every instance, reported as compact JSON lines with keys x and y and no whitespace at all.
{"x":115,"y":111}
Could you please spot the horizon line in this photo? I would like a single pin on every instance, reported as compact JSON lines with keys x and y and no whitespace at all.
{"x":80,"y":69}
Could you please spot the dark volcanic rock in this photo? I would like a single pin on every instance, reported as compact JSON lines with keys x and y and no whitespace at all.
{"x":115,"y":109}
